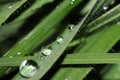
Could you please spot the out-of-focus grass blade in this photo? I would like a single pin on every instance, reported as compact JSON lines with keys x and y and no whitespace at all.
{"x":7,"y":9}
{"x":98,"y":43}
{"x":109,"y":16}
{"x":13,"y":26}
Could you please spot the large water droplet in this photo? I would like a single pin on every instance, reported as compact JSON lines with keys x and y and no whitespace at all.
{"x":60,"y":40}
{"x":46,"y":51}
{"x":28,"y":68}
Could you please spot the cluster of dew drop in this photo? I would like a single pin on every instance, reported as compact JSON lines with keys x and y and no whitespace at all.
{"x":29,"y":68}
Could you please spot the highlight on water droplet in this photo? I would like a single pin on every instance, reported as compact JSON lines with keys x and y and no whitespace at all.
{"x":46,"y":51}
{"x":60,"y":40}
{"x":10,"y":7}
{"x":72,"y":1}
{"x":105,"y":8}
{"x":71,"y":27}
{"x":28,"y":68}
{"x":118,"y":22}
{"x":18,"y":53}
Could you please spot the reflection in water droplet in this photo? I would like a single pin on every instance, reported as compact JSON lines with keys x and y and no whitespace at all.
{"x":46,"y":51}
{"x":28,"y":68}
{"x":60,"y":40}
{"x":105,"y":8}
{"x":71,"y":27}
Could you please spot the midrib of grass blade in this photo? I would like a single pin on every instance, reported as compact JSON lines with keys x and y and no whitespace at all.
{"x":40,"y":32}
{"x":7,"y":9}
{"x":100,"y":42}
{"x":57,"y":50}
{"x":13,"y":26}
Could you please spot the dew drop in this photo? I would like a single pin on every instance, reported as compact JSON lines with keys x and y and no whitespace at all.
{"x":117,"y":76}
{"x":28,"y":68}
{"x":72,"y":1}
{"x":118,"y":22}
{"x":19,"y":53}
{"x":10,"y":7}
{"x":46,"y":51}
{"x":105,"y":8}
{"x":11,"y":56}
{"x":71,"y":27}
{"x":60,"y":40}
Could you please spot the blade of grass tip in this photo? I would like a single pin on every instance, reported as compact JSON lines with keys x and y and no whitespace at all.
{"x":109,"y":36}
{"x":109,"y":16}
{"x":13,"y":26}
{"x":92,"y":58}
{"x":7,"y":9}
{"x":57,"y":48}
{"x":36,"y":36}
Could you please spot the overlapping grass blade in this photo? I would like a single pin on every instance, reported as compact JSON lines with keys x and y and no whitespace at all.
{"x":7,"y":9}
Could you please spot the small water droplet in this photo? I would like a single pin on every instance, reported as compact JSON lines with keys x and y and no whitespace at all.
{"x":46,"y":51}
{"x":28,"y":68}
{"x":105,"y":8}
{"x":118,"y":22}
{"x":72,"y":1}
{"x":117,"y":76}
{"x":10,"y":7}
{"x":71,"y":27}
{"x":60,"y":40}
{"x":19,"y":53}
{"x":11,"y":56}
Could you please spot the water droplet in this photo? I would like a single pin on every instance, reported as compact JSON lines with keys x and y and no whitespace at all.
{"x":118,"y":22}
{"x":72,"y":1}
{"x":60,"y":40}
{"x":117,"y":76}
{"x":19,"y":53}
{"x":46,"y":51}
{"x":68,"y":78}
{"x":10,"y":7}
{"x":28,"y":68}
{"x":105,"y":8}
{"x":71,"y":27}
{"x":11,"y":56}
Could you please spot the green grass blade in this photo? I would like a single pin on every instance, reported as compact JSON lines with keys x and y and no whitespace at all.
{"x":7,"y":9}
{"x":109,"y":36}
{"x":37,"y":35}
{"x":92,"y":58}
{"x":14,"y":26}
